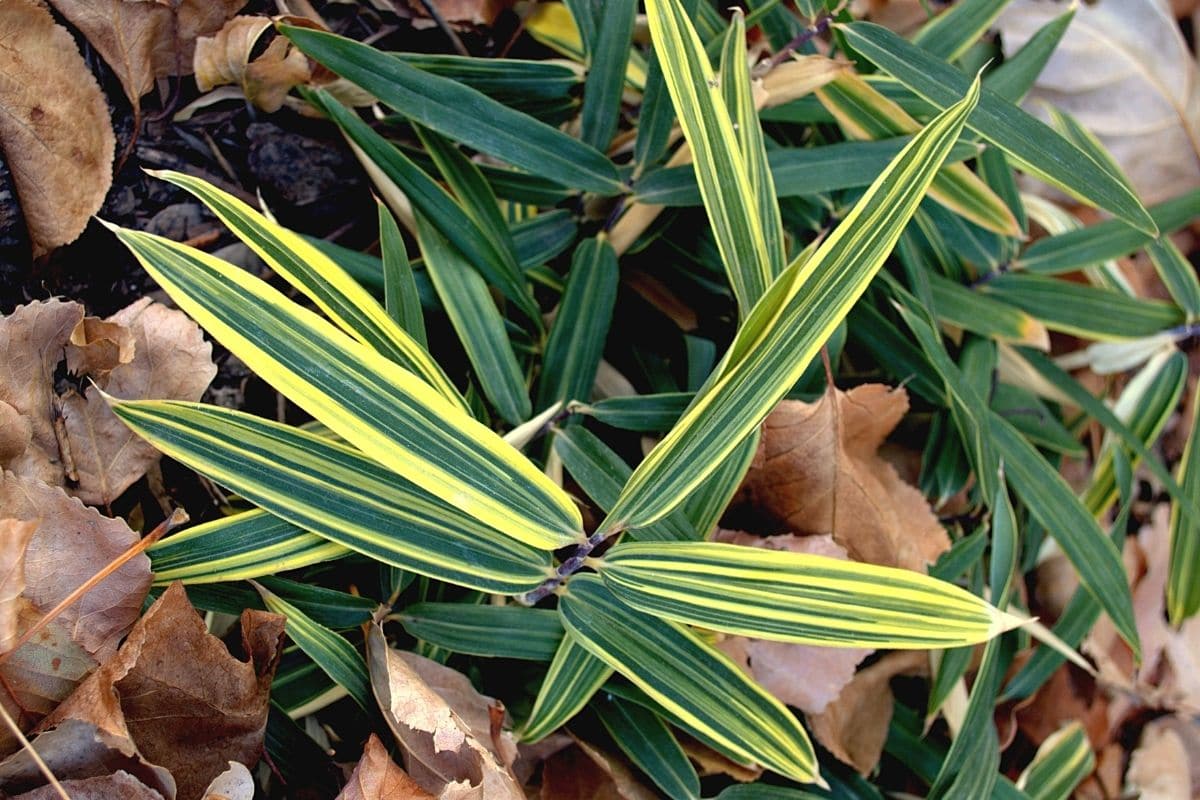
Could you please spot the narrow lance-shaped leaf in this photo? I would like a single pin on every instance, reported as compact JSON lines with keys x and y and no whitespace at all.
{"x":739,"y":100}
{"x":1183,"y":580}
{"x":348,"y":305}
{"x":478,"y":323}
{"x":605,"y":81}
{"x":1034,"y":145}
{"x":797,"y":597}
{"x":786,"y":329}
{"x":329,"y":651}
{"x":379,"y":407}
{"x":698,"y":686}
{"x":648,"y":742}
{"x":863,"y":113}
{"x":241,"y":546}
{"x":489,"y":631}
{"x":335,"y":492}
{"x":401,"y":298}
{"x":952,"y":32}
{"x":461,"y":113}
{"x":725,"y":182}
{"x":576,"y":342}
{"x":574,"y":676}
{"x":1061,"y":764}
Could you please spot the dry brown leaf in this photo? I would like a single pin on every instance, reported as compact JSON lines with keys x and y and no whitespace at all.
{"x":72,"y":544}
{"x":119,"y":784}
{"x":97,"y":346}
{"x":585,"y":772}
{"x":460,"y":13}
{"x":225,"y":59}
{"x":710,"y":762}
{"x":854,"y":726}
{"x":1158,"y":768}
{"x":235,"y":783}
{"x":442,"y":753}
{"x":817,"y":471}
{"x":808,"y":678}
{"x":171,"y":361}
{"x":35,"y":336}
{"x":14,"y":538}
{"x":54,"y":126}
{"x":376,"y":777}
{"x":146,"y":39}
{"x":1124,"y":70}
{"x":187,"y":703}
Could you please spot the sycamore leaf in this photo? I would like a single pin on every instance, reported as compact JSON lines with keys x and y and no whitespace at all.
{"x":376,"y":777}
{"x":54,"y":127}
{"x":14,"y":538}
{"x":235,"y":783}
{"x":818,"y":471}
{"x":1159,"y":766}
{"x":1133,"y":85}
{"x":119,"y":784}
{"x":187,"y":703}
{"x":803,"y":676}
{"x":586,"y":772}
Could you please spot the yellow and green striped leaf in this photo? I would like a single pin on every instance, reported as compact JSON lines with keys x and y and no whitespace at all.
{"x":1035,"y":146}
{"x":739,"y":100}
{"x":241,"y":546}
{"x":721,"y":172}
{"x":338,"y":494}
{"x":461,"y":113}
{"x":1183,"y":580}
{"x":1061,"y":764}
{"x":698,"y":686}
{"x":951,"y":33}
{"x":786,"y":328}
{"x":527,"y":634}
{"x":347,"y":304}
{"x":374,"y":404}
{"x":865,"y":114}
{"x":329,"y":651}
{"x":574,"y":676}
{"x":401,"y":298}
{"x":797,"y":597}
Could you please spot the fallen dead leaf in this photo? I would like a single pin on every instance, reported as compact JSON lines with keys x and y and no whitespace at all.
{"x":224,"y":59}
{"x":585,"y":772}
{"x":235,"y":783}
{"x":808,"y":678}
{"x":1158,"y":768}
{"x":143,"y":40}
{"x":189,"y":705}
{"x":443,"y":754}
{"x":170,"y":360}
{"x":460,"y":13}
{"x":54,"y":126}
{"x":854,"y":726}
{"x":376,"y":777}
{"x":119,"y":784}
{"x":143,"y":351}
{"x":817,"y":471}
{"x":35,"y":336}
{"x":1125,"y":72}
{"x":14,"y":538}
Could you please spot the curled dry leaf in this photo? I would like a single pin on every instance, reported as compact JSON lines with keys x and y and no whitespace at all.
{"x":818,"y":471}
{"x":235,"y":783}
{"x":188,"y":705}
{"x":144,"y":351}
{"x":376,"y":777}
{"x":1125,"y":72}
{"x":224,"y":59}
{"x":170,"y":360}
{"x":1158,"y":768}
{"x":443,"y":752}
{"x":854,"y":726}
{"x":143,"y":40}
{"x":54,"y":126}
{"x":808,"y":678}
{"x":459,"y":13}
